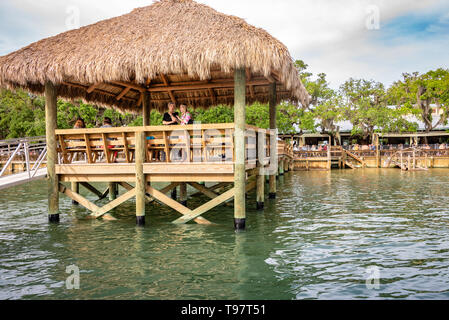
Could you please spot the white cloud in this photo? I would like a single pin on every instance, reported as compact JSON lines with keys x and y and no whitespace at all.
{"x":331,"y":36}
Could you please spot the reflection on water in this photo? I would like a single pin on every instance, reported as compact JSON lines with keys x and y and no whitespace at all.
{"x":315,"y":241}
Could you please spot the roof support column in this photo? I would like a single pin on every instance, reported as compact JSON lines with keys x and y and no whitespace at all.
{"x":261,"y":154}
{"x":239,"y":167}
{"x":140,"y":178}
{"x":52,"y":154}
{"x":273,"y":151}
{"x":146,"y":109}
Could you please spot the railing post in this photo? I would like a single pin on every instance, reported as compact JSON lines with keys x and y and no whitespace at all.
{"x":52,"y":154}
{"x":239,"y":167}
{"x":140,"y":178}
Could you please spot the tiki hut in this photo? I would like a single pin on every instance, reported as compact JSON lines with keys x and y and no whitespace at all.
{"x":177,"y":50}
{"x":171,"y":51}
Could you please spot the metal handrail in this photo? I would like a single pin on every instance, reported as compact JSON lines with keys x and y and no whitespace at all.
{"x":25,"y":147}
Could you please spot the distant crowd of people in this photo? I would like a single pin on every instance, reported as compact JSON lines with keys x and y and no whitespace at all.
{"x":372,"y":147}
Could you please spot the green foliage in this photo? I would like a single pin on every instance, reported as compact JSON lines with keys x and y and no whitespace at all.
{"x":218,"y":114}
{"x":368,"y":105}
{"x":418,"y":92}
{"x":365,"y":105}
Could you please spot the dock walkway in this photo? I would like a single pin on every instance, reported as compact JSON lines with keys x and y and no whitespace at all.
{"x":21,"y":178}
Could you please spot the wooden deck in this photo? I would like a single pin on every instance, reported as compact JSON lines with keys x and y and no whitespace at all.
{"x":179,"y":155}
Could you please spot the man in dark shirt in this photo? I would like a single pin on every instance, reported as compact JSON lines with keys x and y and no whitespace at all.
{"x":171,"y":117}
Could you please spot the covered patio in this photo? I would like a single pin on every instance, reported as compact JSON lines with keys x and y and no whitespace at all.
{"x":172,"y":51}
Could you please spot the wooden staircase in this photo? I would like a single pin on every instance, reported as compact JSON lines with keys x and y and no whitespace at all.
{"x":356,"y":158}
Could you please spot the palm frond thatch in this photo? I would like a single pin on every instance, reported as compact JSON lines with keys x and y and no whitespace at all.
{"x":180,"y":45}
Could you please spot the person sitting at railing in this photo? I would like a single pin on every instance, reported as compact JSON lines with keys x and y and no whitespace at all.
{"x":171,"y":117}
{"x":186,"y":117}
{"x":107,"y":123}
{"x":79,"y":124}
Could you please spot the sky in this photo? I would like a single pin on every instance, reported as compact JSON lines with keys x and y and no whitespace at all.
{"x":369,"y":39}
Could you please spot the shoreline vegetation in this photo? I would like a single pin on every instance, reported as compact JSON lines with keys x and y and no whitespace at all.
{"x":368,"y":105}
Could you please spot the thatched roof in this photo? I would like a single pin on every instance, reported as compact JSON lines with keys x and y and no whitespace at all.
{"x":178,"y":50}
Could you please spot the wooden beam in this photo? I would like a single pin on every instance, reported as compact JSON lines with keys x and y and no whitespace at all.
{"x":206,"y":207}
{"x":123,"y":93}
{"x":248,"y":78}
{"x":93,"y":87}
{"x":114,"y":204}
{"x":140,"y":101}
{"x":132,"y":85}
{"x":213,"y":95}
{"x":227,"y":84}
{"x":104,"y":194}
{"x":88,"y":149}
{"x":92,"y":189}
{"x":107,"y":152}
{"x":174,"y":205}
{"x":167,"y":84}
{"x":209,"y":193}
{"x":164,"y":190}
{"x":271,"y":79}
{"x":80,"y":86}
{"x":78,"y":198}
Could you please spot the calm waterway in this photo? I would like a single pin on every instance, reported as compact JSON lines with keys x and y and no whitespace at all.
{"x":315,"y":241}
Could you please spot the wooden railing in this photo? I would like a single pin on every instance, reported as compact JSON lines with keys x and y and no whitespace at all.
{"x":164,"y":144}
{"x":285,"y":149}
{"x":372,"y":153}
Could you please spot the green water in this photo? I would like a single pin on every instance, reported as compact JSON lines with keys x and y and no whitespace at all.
{"x":315,"y":241}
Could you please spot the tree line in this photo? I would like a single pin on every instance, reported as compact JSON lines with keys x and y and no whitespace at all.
{"x":368,"y":105}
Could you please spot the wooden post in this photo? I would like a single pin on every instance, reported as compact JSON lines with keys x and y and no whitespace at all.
{"x":239,"y":171}
{"x":146,"y":109}
{"x":52,"y":154}
{"x":273,"y":155}
{"x":112,"y":191}
{"x":140,"y":178}
{"x":146,"y":113}
{"x":260,"y":187}
{"x":75,"y":188}
{"x":377,"y":151}
{"x":281,"y":167}
{"x":414,"y":159}
{"x":183,"y":194}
